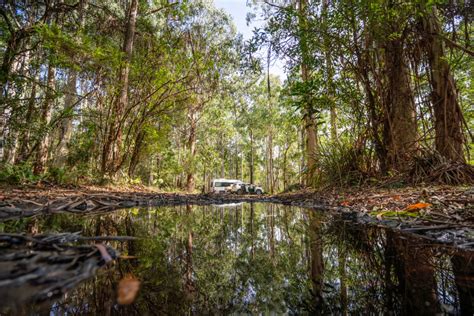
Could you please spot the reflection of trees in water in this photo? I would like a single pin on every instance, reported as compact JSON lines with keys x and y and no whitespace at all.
{"x":415,"y":273}
{"x":396,"y":272}
{"x":316,"y":261}
{"x":254,"y":258}
{"x":189,"y":285}
{"x":463,"y":267}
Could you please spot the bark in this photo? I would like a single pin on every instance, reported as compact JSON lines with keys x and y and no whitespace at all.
{"x":65,"y":131}
{"x":270,"y":173}
{"x":25,"y":134}
{"x":13,"y":45}
{"x":222,"y":158}
{"x":251,"y":166}
{"x":12,"y":92}
{"x":448,"y":116}
{"x":302,"y":162}
{"x":285,"y":167}
{"x":111,"y":151}
{"x":400,"y":132}
{"x":364,"y":75}
{"x":70,"y":100}
{"x":309,"y":113}
{"x":190,"y":183}
{"x":135,"y":158}
{"x":45,"y":118}
{"x":329,"y":73}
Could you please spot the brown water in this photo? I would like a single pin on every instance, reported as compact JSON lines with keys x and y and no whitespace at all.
{"x":260,"y":258}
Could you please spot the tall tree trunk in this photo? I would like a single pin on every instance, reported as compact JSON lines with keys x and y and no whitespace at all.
{"x":251,"y":166}
{"x":25,"y":134}
{"x":285,"y":167}
{"x":309,"y":112}
{"x":45,"y":118}
{"x":269,"y":163}
{"x":135,"y":157}
{"x":362,"y":49}
{"x":222,"y":157}
{"x":190,"y":184}
{"x":65,"y":131}
{"x":400,"y":132}
{"x":448,"y":116}
{"x":70,"y":100}
{"x":111,"y":155}
{"x":13,"y":45}
{"x":14,"y":90}
{"x":329,"y":72}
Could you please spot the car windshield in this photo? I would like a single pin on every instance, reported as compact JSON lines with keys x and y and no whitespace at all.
{"x":222,"y":184}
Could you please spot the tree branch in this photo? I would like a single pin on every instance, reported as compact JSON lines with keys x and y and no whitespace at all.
{"x":456,"y":45}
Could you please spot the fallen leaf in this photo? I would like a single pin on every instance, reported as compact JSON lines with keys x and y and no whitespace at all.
{"x":416,"y":207}
{"x":104,"y":253}
{"x":127,"y":290}
{"x":345,"y":203}
{"x":128,"y":257}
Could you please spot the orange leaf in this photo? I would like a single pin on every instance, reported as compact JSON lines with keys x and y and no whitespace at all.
{"x":128,"y":257}
{"x":127,"y":290}
{"x":345,"y":203}
{"x":416,"y":207}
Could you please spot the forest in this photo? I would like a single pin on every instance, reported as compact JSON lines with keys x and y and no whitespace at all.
{"x":120,"y":119}
{"x":168,"y":94}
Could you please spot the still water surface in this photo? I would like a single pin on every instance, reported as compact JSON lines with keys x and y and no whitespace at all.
{"x":259,"y":258}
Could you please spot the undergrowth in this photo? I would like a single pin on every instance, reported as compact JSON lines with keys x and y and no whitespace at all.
{"x":341,"y":164}
{"x":21,"y":174}
{"x":430,"y":167}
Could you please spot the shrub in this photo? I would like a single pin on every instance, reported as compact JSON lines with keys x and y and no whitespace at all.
{"x":18,"y":174}
{"x":431,"y":167}
{"x":340,"y":163}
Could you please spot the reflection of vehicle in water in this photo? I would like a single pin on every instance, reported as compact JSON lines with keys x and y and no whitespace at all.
{"x":229,"y":205}
{"x":223,"y":185}
{"x":246,"y":188}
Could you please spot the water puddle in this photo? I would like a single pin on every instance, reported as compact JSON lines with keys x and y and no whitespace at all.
{"x":255,"y":258}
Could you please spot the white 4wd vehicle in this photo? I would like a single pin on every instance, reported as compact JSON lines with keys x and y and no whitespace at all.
{"x":223,"y":185}
{"x":246,"y":188}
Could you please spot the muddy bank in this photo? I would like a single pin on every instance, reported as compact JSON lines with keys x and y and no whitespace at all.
{"x":14,"y":207}
{"x":448,"y":219}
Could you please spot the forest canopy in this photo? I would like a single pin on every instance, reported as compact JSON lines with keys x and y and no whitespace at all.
{"x":168,"y":94}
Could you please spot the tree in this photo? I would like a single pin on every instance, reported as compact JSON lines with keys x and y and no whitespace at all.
{"x":111,"y":152}
{"x":448,"y":117}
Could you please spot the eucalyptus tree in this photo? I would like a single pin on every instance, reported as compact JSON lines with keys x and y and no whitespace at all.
{"x":210,"y":44}
{"x":448,"y":115}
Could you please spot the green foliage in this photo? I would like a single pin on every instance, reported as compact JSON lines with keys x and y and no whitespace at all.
{"x":18,"y":174}
{"x":341,"y":164}
{"x":188,"y":67}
